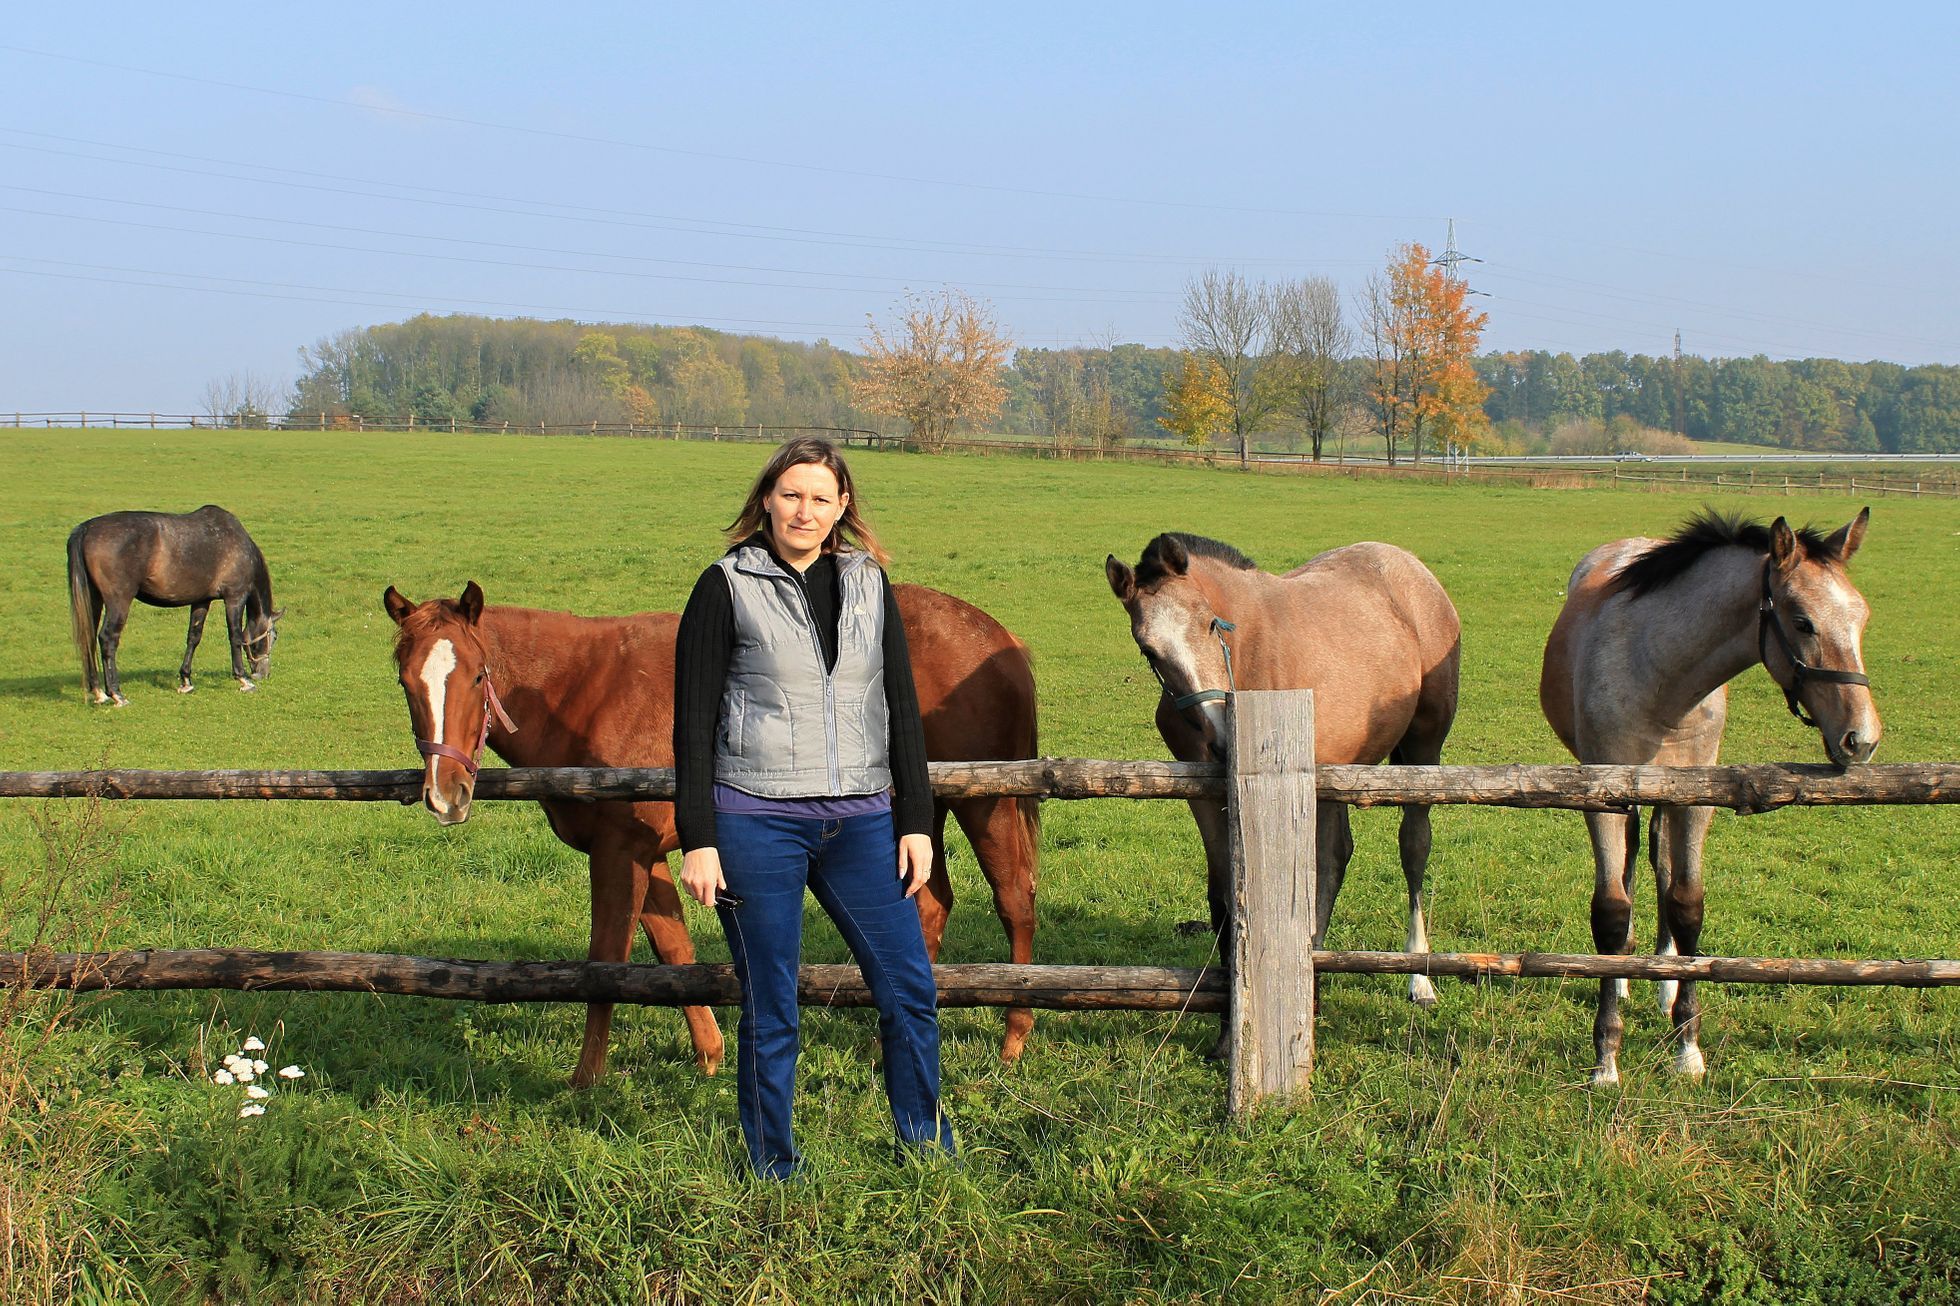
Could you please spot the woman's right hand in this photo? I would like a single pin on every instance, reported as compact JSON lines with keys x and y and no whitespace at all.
{"x":701,"y":875}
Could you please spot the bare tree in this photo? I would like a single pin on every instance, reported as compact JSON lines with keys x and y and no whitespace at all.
{"x":1392,"y":368}
{"x":940,"y":366}
{"x":1311,"y":343}
{"x":1227,"y":319}
{"x":241,"y":399}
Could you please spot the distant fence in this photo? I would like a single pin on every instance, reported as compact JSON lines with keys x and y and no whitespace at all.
{"x":753,"y":432}
{"x":1933,"y":475}
{"x":1266,"y":986}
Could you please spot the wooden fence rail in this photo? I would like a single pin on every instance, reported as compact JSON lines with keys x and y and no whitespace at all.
{"x":1746,"y":789}
{"x":1054,"y":988}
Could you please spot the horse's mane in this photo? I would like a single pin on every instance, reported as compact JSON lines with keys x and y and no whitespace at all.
{"x":1700,"y":535}
{"x":1152,"y":566}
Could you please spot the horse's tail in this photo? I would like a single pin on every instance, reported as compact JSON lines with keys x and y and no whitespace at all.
{"x":1028,"y":807}
{"x":84,"y":606}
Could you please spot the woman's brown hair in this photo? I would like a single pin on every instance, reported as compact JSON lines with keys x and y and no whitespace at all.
{"x":851,"y":528}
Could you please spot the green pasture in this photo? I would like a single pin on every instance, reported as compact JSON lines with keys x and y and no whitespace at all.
{"x":434,"y":1152}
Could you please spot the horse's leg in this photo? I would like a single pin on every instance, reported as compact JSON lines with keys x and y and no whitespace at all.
{"x":1001,"y":839}
{"x":115,"y":612}
{"x":1660,"y":852}
{"x":1612,"y":923}
{"x":1209,"y":813}
{"x":935,"y":901}
{"x":619,"y":886}
{"x":1687,"y":827}
{"x":1413,"y":840}
{"x":198,"y":613}
{"x":235,"y":628}
{"x":666,"y":930}
{"x":1333,"y":850}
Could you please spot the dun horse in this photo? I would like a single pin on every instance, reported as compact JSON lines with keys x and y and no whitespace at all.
{"x":1366,"y":627}
{"x":553,"y":689}
{"x":1636,"y":672}
{"x":168,"y":560}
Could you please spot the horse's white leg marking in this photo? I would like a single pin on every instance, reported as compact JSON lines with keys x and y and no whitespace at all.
{"x":1666,"y":989}
{"x":1421,"y":991}
{"x":435,"y":683}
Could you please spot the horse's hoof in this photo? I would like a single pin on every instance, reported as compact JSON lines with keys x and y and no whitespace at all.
{"x":1606,"y":1077}
{"x":245,"y":686}
{"x":119,"y":700}
{"x":186,"y":687}
{"x":98,"y":698}
{"x":1689,"y":1064}
{"x":1422,"y":992}
{"x":1191,"y":929}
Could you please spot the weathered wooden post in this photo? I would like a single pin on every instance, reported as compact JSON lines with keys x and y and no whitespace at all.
{"x":1271,"y":814}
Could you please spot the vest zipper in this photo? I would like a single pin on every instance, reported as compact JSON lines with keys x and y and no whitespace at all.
{"x":833,"y":767}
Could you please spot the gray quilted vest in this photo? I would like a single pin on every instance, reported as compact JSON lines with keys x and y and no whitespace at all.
{"x":788,"y":729}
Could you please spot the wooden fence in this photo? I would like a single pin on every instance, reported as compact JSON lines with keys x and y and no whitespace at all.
{"x":1265,"y":987}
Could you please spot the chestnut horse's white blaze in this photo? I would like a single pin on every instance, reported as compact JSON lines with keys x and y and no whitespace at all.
{"x":1636,"y":672}
{"x":437,"y":667}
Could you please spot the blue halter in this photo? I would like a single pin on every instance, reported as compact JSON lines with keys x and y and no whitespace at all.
{"x":1219,"y":626}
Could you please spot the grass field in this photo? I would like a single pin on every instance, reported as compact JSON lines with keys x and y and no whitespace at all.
{"x":435,"y":1153}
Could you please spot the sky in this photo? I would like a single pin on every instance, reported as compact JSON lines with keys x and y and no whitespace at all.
{"x":191,"y":194}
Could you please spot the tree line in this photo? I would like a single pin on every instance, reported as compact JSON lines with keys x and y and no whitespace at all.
{"x":1285,"y":365}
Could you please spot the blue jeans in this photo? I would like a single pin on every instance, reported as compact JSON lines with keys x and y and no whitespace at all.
{"x":851,"y":864}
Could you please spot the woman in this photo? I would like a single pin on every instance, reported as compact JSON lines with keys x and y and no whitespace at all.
{"x":801,"y":762}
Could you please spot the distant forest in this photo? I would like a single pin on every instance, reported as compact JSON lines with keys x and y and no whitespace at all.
{"x":525,"y":371}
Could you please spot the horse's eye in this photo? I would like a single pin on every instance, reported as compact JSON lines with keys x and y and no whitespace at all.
{"x":479,"y":678}
{"x":1803,"y":626}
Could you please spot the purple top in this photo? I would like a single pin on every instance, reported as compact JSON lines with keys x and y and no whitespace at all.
{"x":730,"y":799}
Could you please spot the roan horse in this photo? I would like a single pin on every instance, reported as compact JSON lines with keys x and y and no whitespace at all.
{"x":168,"y":560}
{"x":1366,"y":627}
{"x":554,"y":689}
{"x":1636,"y":672}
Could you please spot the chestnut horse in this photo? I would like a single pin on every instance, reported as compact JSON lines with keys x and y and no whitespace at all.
{"x":1366,"y":627}
{"x":554,"y":689}
{"x":1636,"y":672}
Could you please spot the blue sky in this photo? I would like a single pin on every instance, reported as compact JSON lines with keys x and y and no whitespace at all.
{"x":186,"y":197}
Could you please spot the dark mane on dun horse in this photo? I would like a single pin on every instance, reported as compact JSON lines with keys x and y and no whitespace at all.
{"x":598,"y":691}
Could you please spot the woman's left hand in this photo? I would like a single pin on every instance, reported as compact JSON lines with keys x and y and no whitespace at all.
{"x":914,"y":861}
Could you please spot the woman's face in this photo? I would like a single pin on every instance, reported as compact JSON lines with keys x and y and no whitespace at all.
{"x":803,"y":506}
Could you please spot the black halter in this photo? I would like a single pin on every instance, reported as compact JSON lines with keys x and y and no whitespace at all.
{"x":1768,"y":621}
{"x":1182,"y":701}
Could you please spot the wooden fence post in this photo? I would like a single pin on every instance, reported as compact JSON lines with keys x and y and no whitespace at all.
{"x":1271,"y":814}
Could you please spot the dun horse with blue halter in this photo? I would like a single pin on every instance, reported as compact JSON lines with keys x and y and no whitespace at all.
{"x":1366,"y":627}
{"x":168,"y":560}
{"x":1636,"y":672}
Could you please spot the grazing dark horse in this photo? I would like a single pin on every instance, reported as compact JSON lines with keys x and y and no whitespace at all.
{"x":1366,"y":627}
{"x":168,"y":560}
{"x":554,"y":689}
{"x":1636,"y":673}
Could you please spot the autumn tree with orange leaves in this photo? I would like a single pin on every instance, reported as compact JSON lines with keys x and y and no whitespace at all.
{"x":939,"y":367}
{"x":1422,"y":390}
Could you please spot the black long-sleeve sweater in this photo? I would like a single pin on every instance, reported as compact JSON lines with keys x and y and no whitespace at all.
{"x":704,"y":647}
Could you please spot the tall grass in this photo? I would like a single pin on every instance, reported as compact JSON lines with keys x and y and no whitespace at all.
{"x":435,"y":1153}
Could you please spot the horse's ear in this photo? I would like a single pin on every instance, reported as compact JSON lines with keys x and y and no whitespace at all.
{"x":1848,"y":537}
{"x":1122,"y":581}
{"x":397,"y":606}
{"x":472,"y":602}
{"x":1172,"y":553}
{"x":1784,"y":550}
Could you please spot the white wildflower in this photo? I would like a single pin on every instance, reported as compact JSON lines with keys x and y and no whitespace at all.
{"x":232,"y":1059}
{"x":223,"y":1077}
{"x":258,"y":1067}
{"x":257,"y":1094}
{"x":291,"y":1072}
{"x":244,"y":1073}
{"x":250,"y":1109}
{"x":252,"y":1044}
